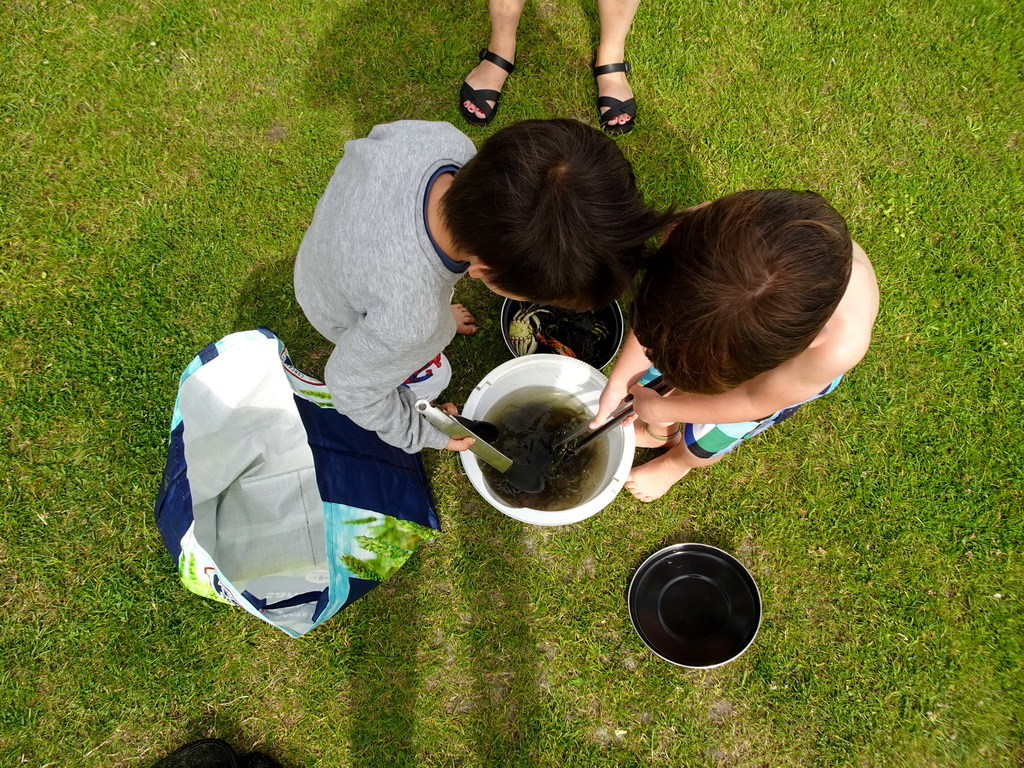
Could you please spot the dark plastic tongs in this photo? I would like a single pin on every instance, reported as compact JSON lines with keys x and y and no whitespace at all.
{"x":521,"y":476}
{"x":582,"y":434}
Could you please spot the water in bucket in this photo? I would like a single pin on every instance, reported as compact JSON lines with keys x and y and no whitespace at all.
{"x":562,"y":379}
{"x":529,"y":421}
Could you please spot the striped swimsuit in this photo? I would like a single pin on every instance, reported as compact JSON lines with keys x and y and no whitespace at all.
{"x":709,"y":441}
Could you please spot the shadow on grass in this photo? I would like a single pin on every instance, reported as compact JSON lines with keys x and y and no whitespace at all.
{"x":267,"y":298}
{"x":505,"y":715}
{"x":384,"y":678}
{"x":358,"y":66}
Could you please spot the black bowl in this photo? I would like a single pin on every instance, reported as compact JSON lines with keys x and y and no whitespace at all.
{"x":694,"y":605}
{"x":597,"y":350}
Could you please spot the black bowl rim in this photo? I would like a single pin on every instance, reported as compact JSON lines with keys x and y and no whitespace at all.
{"x":507,"y":302}
{"x":731,"y":560}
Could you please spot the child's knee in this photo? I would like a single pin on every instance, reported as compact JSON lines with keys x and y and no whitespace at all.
{"x":687,"y":457}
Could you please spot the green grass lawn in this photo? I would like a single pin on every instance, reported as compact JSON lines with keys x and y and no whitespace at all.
{"x":159,"y":162}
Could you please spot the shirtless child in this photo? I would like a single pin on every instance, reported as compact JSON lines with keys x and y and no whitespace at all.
{"x":755,"y":304}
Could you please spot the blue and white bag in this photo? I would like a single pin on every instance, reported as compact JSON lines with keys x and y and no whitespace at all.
{"x":274,"y":501}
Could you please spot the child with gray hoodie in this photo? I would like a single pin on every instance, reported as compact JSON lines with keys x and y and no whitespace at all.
{"x":547,"y":211}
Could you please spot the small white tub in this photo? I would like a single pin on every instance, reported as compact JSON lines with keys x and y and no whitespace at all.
{"x":562,"y":374}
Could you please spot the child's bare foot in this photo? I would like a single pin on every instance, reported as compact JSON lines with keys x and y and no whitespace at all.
{"x":644,"y":439}
{"x":652,"y":480}
{"x":464,"y":322}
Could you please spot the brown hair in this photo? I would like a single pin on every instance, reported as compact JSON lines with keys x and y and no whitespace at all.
{"x":552,"y":209}
{"x":740,"y":286}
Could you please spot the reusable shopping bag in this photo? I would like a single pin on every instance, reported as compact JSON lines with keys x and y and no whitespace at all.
{"x":274,"y":501}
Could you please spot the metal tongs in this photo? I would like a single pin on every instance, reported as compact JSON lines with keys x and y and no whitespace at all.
{"x":521,"y":476}
{"x":582,"y":434}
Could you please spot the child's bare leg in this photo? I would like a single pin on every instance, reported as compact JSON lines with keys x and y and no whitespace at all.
{"x":657,"y":435}
{"x":652,"y":480}
{"x":464,"y":322}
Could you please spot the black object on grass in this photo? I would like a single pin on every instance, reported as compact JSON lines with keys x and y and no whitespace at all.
{"x":694,"y":605}
{"x":594,"y":336}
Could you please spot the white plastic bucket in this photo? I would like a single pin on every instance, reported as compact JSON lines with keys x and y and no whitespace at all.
{"x":562,"y":374}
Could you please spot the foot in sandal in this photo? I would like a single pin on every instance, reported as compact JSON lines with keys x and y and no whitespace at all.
{"x":478,"y":103}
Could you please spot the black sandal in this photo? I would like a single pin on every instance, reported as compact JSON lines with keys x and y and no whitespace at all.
{"x":479,"y":98}
{"x":616,"y":107}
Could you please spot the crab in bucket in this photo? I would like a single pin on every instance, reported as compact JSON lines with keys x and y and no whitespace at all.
{"x":522,"y":331}
{"x":535,"y":328}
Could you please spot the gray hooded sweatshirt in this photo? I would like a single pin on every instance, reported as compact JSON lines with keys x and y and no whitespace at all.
{"x":369,"y":279}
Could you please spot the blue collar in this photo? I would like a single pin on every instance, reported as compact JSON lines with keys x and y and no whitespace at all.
{"x":451,"y":264}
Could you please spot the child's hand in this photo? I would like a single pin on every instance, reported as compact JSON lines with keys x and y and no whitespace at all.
{"x":646,"y":403}
{"x":455,"y":443}
{"x":615,"y":391}
{"x":611,"y":399}
{"x":459,"y":443}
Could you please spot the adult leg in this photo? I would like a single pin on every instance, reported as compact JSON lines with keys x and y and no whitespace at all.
{"x":616,"y":17}
{"x":504,"y":23}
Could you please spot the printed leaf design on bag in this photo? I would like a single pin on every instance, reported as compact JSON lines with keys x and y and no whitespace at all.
{"x":195,"y":581}
{"x":383,"y":548}
{"x":420,"y":532}
{"x":361,"y":569}
{"x":382,"y":544}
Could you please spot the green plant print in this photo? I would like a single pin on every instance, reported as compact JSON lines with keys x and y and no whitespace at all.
{"x":195,"y":581}
{"x":383,"y":544}
{"x":422,"y":532}
{"x":360,"y":569}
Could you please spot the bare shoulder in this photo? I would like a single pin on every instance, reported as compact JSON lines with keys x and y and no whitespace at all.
{"x":847,"y":335}
{"x":842,"y":343}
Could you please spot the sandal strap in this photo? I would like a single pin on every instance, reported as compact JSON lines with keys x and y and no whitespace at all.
{"x":481,"y":94}
{"x":479,"y":98}
{"x":607,"y":69}
{"x":497,"y":60}
{"x":616,"y":107}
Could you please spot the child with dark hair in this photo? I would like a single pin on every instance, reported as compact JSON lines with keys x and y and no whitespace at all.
{"x":755,"y":304}
{"x":547,"y":211}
